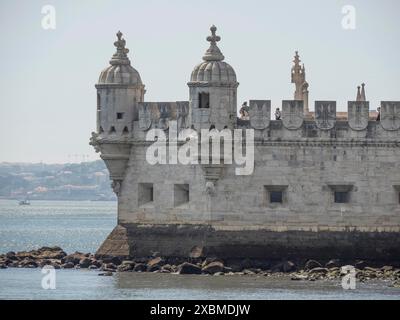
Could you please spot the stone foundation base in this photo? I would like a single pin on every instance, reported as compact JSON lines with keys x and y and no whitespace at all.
{"x":116,"y":244}
{"x":198,"y":241}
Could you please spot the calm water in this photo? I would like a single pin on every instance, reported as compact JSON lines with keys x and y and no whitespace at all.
{"x":72,"y":225}
{"x":83,"y":226}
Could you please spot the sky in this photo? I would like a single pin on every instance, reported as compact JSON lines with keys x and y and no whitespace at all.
{"x":47,"y":93}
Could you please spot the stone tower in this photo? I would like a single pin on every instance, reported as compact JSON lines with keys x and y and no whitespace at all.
{"x":299,"y":79}
{"x":212,"y":90}
{"x":119,"y":90}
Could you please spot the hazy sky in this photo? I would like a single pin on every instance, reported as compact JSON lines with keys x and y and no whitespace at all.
{"x":48,"y":99}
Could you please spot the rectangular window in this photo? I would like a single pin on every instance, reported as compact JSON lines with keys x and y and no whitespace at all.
{"x":181,"y":194}
{"x":120,"y":115}
{"x":341,"y":192}
{"x":341,"y":196}
{"x":145,"y":193}
{"x":275,"y":194}
{"x":276,"y":197}
{"x":204,"y":100}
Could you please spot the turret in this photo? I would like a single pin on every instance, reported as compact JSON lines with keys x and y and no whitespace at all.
{"x":212,"y":90}
{"x":119,"y":90}
{"x":298,"y":74}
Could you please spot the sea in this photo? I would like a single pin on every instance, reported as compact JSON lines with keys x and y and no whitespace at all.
{"x":83,"y":225}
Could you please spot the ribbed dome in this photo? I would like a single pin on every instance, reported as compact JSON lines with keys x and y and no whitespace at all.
{"x":213,"y":69}
{"x":120,"y":70}
{"x":120,"y":74}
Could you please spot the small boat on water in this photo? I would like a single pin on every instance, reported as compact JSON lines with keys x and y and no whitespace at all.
{"x":24,"y":202}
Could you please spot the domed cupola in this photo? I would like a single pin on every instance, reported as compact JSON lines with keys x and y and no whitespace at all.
{"x":119,"y":90}
{"x":213,"y":68}
{"x":213,"y":87}
{"x":120,"y":70}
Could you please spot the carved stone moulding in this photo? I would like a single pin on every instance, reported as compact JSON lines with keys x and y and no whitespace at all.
{"x":260,"y":114}
{"x":390,"y":115}
{"x":325,"y":114}
{"x":358,"y":114}
{"x":292,"y":114}
{"x":212,"y":173}
{"x":158,"y":114}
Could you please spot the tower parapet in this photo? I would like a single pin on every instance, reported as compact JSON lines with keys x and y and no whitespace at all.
{"x":212,"y":90}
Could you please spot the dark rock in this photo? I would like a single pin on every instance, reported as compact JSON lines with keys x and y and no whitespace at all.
{"x":153,"y":268}
{"x":3,"y":266}
{"x":109,"y":266}
{"x":189,"y":268}
{"x":50,"y":253}
{"x":318,"y":270}
{"x":210,"y":260}
{"x":125,"y":267}
{"x":387,"y":268}
{"x":334,"y":263}
{"x":155,"y":262}
{"x":311,"y":264}
{"x":288,"y":266}
{"x":164,"y":271}
{"x":213,"y":267}
{"x":11,"y":256}
{"x":248,"y":272}
{"x":29,"y":263}
{"x":140,"y":267}
{"x":116,"y":261}
{"x":85,"y":263}
{"x":112,"y":259}
{"x":96,"y":263}
{"x":299,"y":277}
{"x":93,"y":267}
{"x":360,"y":264}
{"x":228,"y":269}
{"x":107,"y":274}
{"x":167,"y":267}
{"x":73,"y":258}
{"x":68,"y":265}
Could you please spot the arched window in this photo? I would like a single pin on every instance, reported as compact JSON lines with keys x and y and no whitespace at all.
{"x":101,"y":129}
{"x":112,"y":130}
{"x":98,"y":102}
{"x":125,"y":131}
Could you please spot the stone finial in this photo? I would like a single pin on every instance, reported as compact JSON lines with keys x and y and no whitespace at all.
{"x":296,"y":59}
{"x":213,"y":53}
{"x":363,"y":92}
{"x":358,"y":94}
{"x":213,"y":38}
{"x":299,"y":79}
{"x":121,"y":56}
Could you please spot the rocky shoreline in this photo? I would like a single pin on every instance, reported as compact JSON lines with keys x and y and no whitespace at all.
{"x":311,"y":270}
